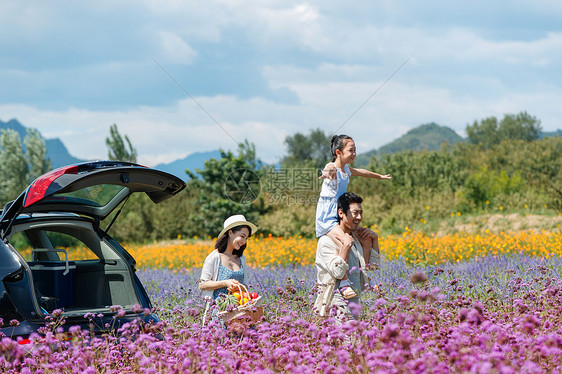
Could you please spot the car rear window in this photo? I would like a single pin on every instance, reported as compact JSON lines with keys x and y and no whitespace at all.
{"x":97,"y":195}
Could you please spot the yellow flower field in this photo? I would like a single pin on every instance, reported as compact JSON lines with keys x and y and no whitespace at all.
{"x":414,"y":247}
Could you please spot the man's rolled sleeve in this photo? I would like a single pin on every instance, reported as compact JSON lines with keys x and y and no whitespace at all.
{"x":333,"y":263}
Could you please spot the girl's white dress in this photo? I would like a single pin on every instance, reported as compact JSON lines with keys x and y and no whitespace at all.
{"x":327,"y":207}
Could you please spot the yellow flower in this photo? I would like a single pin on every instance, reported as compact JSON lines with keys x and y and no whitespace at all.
{"x":270,"y":251}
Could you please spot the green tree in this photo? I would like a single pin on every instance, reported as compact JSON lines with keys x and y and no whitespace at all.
{"x":119,"y":148}
{"x":229,"y":185}
{"x":484,"y":132}
{"x":36,"y":154}
{"x":312,"y":150}
{"x":489,"y":132}
{"x":520,"y":126}
{"x":13,"y":165}
{"x":19,"y":166}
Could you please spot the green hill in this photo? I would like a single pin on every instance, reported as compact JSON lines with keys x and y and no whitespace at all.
{"x":425,"y":137}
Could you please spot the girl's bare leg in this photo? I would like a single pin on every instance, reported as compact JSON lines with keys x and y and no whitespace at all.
{"x":375,"y":246}
{"x":367,"y":250}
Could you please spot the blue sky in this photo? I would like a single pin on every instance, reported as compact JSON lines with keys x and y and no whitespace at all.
{"x":180,"y":77}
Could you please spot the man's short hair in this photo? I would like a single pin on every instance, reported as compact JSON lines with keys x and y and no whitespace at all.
{"x":346,"y":200}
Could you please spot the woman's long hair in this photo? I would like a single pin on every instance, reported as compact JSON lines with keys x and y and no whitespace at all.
{"x":222,"y":242}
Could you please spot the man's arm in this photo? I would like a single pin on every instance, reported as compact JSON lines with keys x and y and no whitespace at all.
{"x":333,"y":262}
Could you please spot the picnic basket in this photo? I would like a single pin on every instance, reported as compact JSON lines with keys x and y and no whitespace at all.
{"x":247,"y":314}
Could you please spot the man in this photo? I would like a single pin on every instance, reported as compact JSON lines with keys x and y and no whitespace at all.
{"x":332,"y":264}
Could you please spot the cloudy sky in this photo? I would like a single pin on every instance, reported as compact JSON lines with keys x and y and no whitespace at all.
{"x":180,"y":77}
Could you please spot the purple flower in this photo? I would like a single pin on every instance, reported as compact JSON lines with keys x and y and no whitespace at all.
{"x":355,"y":308}
{"x":74,"y":329}
{"x":380,"y":302}
{"x":418,"y":277}
{"x":57,"y":313}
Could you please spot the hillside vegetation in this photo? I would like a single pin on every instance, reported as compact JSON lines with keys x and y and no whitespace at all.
{"x":504,"y":176}
{"x":514,"y":183}
{"x":428,"y":137}
{"x":438,"y":190}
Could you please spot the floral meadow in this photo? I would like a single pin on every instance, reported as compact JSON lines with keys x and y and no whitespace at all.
{"x":462,"y":303}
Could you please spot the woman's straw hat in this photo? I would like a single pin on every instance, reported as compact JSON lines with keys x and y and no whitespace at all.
{"x":237,"y":220}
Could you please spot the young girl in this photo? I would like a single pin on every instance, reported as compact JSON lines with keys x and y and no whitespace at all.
{"x":336,"y":178}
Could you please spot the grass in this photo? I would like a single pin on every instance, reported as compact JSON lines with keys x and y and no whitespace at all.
{"x":494,"y":222}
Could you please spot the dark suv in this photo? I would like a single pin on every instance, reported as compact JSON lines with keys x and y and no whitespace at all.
{"x":56,"y":256}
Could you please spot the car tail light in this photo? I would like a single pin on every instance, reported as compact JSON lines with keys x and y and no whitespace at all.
{"x":40,"y":185}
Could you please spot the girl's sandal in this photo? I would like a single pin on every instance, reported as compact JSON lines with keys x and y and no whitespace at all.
{"x":347,"y":292}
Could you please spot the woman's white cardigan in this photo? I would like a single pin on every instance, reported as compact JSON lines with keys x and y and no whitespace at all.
{"x":210,"y":271}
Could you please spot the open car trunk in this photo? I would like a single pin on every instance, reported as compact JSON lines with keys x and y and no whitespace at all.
{"x":92,"y":276}
{"x":56,"y":256}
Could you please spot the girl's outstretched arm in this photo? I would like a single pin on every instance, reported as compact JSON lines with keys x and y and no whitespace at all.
{"x":329,"y":172}
{"x":368,"y":174}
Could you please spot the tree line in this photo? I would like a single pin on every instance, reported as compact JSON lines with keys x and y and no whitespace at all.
{"x":503,"y":164}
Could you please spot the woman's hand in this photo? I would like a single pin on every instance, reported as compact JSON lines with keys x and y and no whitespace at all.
{"x":231,"y":284}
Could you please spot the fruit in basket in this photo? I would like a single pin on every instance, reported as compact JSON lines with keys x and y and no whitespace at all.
{"x":224,"y":301}
{"x":254,"y":295}
{"x":236,"y":295}
{"x":244,"y":301}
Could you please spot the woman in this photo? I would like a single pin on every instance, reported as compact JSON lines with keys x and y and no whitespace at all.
{"x":223,"y":268}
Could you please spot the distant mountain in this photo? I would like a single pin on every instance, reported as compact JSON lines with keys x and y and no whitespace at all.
{"x":56,"y":150}
{"x":425,"y":137}
{"x":550,"y":133}
{"x":193,"y":161}
{"x":14,"y":125}
{"x":58,"y":153}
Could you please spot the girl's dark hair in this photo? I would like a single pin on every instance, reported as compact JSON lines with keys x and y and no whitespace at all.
{"x":338,"y":142}
{"x":222,"y":242}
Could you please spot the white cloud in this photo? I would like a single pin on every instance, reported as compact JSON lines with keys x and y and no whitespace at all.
{"x":175,"y":49}
{"x":71,"y":78}
{"x":163,"y":134}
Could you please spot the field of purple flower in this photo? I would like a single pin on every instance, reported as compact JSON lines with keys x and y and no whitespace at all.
{"x":497,"y":315}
